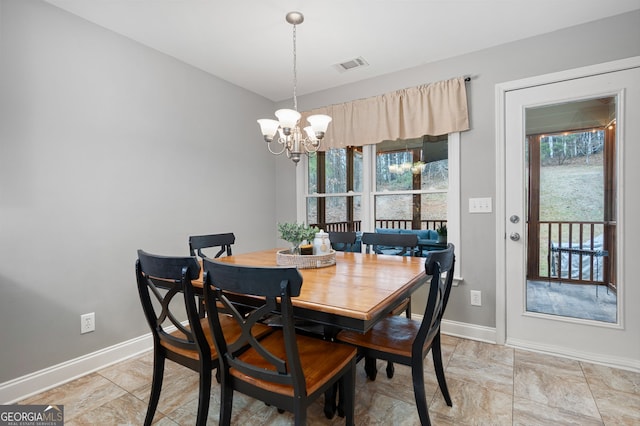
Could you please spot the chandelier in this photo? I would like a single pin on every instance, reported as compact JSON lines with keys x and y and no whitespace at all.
{"x":285,"y":131}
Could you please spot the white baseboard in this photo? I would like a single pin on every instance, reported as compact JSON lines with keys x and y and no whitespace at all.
{"x":56,"y":375}
{"x":488,"y":334}
{"x":469,"y":331}
{"x":592,"y":357}
{"x":465,"y":330}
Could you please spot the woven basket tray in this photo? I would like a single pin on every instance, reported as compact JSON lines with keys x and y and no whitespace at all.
{"x":285,"y":258}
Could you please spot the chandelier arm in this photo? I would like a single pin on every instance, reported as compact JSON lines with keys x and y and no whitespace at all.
{"x":310,"y":147}
{"x":279,"y":141}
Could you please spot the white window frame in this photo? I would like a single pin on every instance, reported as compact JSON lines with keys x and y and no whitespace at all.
{"x":367,"y":195}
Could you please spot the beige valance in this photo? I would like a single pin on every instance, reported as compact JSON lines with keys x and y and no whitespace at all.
{"x":431,"y":109}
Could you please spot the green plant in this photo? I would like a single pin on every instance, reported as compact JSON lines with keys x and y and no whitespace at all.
{"x":295,"y":233}
{"x":442,"y":230}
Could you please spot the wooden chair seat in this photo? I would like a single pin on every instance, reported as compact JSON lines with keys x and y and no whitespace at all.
{"x":233,"y":333}
{"x":320,"y":360}
{"x":394,"y":334}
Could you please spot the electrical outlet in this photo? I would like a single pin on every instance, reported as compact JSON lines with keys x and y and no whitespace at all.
{"x":476,"y":298}
{"x":87,"y":323}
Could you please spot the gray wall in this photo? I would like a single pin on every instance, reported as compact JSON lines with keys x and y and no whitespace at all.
{"x":601,"y":41}
{"x":107,"y":146}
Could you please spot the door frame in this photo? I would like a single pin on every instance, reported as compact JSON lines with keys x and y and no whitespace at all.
{"x":501,"y":91}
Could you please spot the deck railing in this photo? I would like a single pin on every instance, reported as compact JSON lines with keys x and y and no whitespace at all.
{"x":577,"y":252}
{"x":408,"y":223}
{"x":338,"y":226}
{"x":380,"y":223}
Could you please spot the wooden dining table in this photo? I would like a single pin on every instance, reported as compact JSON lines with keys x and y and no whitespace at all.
{"x":353,"y":294}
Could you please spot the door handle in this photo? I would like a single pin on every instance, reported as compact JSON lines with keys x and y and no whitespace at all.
{"x":514,"y":236}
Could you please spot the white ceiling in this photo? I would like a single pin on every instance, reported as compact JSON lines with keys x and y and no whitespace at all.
{"x":249,"y":43}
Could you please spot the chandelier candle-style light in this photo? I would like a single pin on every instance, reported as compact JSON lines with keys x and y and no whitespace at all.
{"x":293,"y":140}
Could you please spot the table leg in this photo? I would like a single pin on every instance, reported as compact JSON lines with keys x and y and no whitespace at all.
{"x":330,"y":401}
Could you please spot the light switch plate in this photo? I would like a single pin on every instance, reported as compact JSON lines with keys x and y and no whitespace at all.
{"x":480,"y":205}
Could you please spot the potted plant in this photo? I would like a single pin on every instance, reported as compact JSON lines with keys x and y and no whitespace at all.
{"x":296,"y":233}
{"x":442,"y":233}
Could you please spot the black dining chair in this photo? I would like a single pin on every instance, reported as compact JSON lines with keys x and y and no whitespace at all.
{"x":199,"y":242}
{"x":285,"y":369}
{"x":394,"y":244}
{"x":406,"y":341}
{"x":160,"y":280}
{"x":397,"y":245}
{"x":342,"y":241}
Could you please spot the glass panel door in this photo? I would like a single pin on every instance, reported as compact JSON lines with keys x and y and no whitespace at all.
{"x":573,"y":204}
{"x":570,"y":156}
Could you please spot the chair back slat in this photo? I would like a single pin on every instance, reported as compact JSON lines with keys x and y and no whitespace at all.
{"x":271,"y":289}
{"x":342,"y":241}
{"x":399,"y":244}
{"x":437,"y":263}
{"x":199,"y":242}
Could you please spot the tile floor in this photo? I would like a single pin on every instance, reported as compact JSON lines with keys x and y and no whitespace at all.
{"x":489,"y":385}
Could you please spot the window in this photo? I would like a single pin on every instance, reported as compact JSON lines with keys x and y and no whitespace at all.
{"x":413,"y":182}
{"x":334,"y":189}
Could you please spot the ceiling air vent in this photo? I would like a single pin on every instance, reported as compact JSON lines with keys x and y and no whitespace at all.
{"x":353,"y":63}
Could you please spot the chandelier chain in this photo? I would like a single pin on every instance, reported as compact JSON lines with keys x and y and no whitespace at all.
{"x":295,"y":71}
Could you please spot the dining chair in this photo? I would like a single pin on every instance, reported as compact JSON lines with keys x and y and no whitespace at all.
{"x":342,"y":241}
{"x":395,"y":244}
{"x":199,"y":242}
{"x":160,"y":280}
{"x":407,"y":341}
{"x":285,"y":369}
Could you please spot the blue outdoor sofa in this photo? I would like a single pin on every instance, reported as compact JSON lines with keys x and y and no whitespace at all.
{"x":427,"y":240}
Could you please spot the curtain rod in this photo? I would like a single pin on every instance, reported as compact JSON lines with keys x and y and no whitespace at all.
{"x":467,"y":79}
